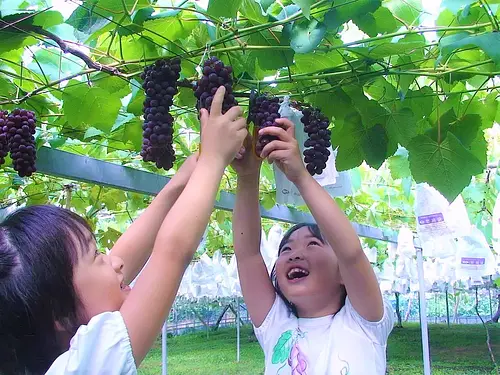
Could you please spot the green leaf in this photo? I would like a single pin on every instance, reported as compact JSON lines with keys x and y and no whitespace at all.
{"x":90,"y":106}
{"x":306,"y":36}
{"x":380,"y":22}
{"x":36,"y":194}
{"x":497,"y":282}
{"x":305,"y":5}
{"x":265,"y":4}
{"x":112,"y":84}
{"x":9,"y":7}
{"x":177,"y":29}
{"x":86,"y":22}
{"x":224,"y":8}
{"x":135,"y":105}
{"x":118,"y":8}
{"x":7,"y":88}
{"x":268,"y":201}
{"x":375,"y":144}
{"x":455,"y":5}
{"x":271,"y":60}
{"x":401,"y":126}
{"x":281,"y":350}
{"x":346,"y":10}
{"x":252,"y":10}
{"x":132,"y":133}
{"x":54,"y":64}
{"x":447,"y":166}
{"x":399,"y":166}
{"x":48,"y":19}
{"x":408,"y":11}
{"x":488,"y":42}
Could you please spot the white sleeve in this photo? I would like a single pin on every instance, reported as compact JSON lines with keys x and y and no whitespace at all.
{"x":100,"y":347}
{"x":278,"y":315}
{"x":379,"y":331}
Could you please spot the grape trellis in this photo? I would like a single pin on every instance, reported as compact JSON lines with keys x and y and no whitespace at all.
{"x":417,"y":103}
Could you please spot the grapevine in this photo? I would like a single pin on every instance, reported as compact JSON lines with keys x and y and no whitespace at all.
{"x":316,"y":153}
{"x":215,"y":74}
{"x":160,"y":84}
{"x":19,"y":129}
{"x":264,"y":113}
{"x":4,"y":150}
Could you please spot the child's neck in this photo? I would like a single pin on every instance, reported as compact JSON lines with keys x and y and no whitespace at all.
{"x":320,"y":307}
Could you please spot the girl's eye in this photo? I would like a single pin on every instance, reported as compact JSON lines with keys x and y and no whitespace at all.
{"x":284,"y":250}
{"x":313,"y":243}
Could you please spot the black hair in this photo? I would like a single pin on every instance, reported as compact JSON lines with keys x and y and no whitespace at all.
{"x":39,"y":247}
{"x":314,"y":230}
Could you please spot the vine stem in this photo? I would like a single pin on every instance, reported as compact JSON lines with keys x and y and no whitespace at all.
{"x":489,"y":13}
{"x":438,"y":114}
{"x":488,"y":340}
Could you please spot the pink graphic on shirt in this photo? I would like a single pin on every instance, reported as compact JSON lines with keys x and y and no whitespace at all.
{"x":297,"y":361}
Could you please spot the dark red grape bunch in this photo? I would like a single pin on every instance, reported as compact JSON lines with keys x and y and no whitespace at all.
{"x":160,"y":85}
{"x":215,"y":74}
{"x":19,"y":129}
{"x":4,"y":149}
{"x":316,"y":153}
{"x":264,"y":113}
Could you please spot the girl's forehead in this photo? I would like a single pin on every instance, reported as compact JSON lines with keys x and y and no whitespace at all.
{"x":301,"y":233}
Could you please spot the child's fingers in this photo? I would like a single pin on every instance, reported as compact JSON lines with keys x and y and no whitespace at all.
{"x":277,"y":155}
{"x":216,"y":108}
{"x":277,"y":132}
{"x":234,"y":113}
{"x":273,"y":146}
{"x":287,"y":125}
{"x":204,"y":115}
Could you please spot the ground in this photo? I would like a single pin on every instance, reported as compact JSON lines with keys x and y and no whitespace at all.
{"x":459,"y":350}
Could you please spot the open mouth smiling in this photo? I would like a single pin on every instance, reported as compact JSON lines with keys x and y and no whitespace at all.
{"x":297,"y":273}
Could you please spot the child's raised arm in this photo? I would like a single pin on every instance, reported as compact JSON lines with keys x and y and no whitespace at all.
{"x":357,"y":274}
{"x":136,"y":244}
{"x":144,"y":311}
{"x":258,"y":291}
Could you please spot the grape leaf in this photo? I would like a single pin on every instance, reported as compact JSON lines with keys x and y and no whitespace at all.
{"x":177,"y":29}
{"x":48,"y":19}
{"x":86,"y":23}
{"x":112,"y":84}
{"x":317,"y":61}
{"x":408,"y":11}
{"x":488,"y":42}
{"x":277,"y":59}
{"x":90,"y":106}
{"x":380,"y":22}
{"x":455,"y":5}
{"x":346,"y":10}
{"x":51,"y":63}
{"x":399,"y":166}
{"x":447,"y":166}
{"x":224,"y":8}
{"x":9,"y":7}
{"x":401,"y":126}
{"x":7,"y":88}
{"x":306,"y":36}
{"x":375,"y":145}
{"x":305,"y":5}
{"x":252,"y":10}
{"x":265,"y":4}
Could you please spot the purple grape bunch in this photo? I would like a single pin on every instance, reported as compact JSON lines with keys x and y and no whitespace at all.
{"x":160,"y":85}
{"x":17,"y":136}
{"x":215,"y":74}
{"x":264,"y":113}
{"x":4,"y":149}
{"x":316,"y":153}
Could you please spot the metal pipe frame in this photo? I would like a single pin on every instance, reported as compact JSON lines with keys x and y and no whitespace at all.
{"x":70,"y":166}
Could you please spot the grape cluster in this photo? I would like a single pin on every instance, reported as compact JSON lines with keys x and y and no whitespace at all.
{"x":17,"y":136}
{"x":215,"y":74}
{"x":316,"y":153}
{"x":160,"y":85}
{"x":4,"y":149}
{"x":264,"y":113}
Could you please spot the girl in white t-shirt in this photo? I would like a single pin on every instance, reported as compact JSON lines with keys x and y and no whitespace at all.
{"x":321,"y":311}
{"x":65,"y":308}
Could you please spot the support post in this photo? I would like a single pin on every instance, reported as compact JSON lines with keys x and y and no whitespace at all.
{"x":447,"y":307}
{"x":164,"y":354}
{"x":237,"y":329}
{"x":423,"y":313}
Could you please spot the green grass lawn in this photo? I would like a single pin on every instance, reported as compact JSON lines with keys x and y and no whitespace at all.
{"x":459,"y":350}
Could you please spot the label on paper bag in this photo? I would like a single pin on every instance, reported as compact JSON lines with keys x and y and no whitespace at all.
{"x":433,"y":223}
{"x":472,"y":263}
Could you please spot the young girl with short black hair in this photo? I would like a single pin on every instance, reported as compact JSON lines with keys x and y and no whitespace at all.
{"x":320,"y":312}
{"x":65,"y":308}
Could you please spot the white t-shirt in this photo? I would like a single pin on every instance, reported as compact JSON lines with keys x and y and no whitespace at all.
{"x":340,"y":344}
{"x":102,"y":347}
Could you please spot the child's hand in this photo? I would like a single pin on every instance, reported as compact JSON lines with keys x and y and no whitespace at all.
{"x":284,"y":151}
{"x":183,"y":174}
{"x":246,"y":163}
{"x":222,"y":135}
